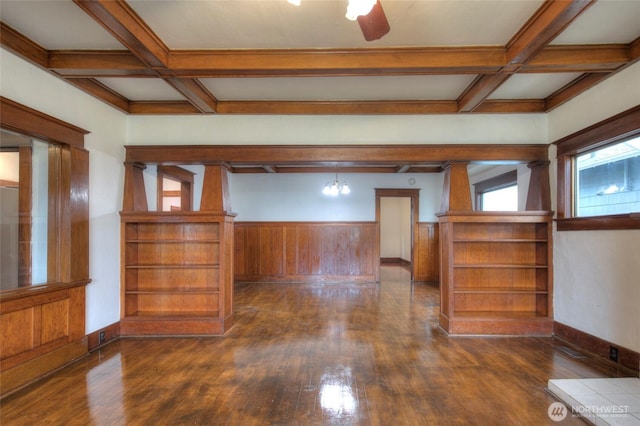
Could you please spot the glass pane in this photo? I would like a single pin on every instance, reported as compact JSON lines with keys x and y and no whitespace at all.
{"x":503,"y":199}
{"x":608,"y":180}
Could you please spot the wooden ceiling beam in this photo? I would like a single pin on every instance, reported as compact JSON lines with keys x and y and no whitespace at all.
{"x":195,"y":93}
{"x":97,"y":63}
{"x":579,"y":58}
{"x":354,"y":155}
{"x":306,"y":62}
{"x":162,"y":108}
{"x":22,"y":46}
{"x":119,"y":19}
{"x":102,"y":92}
{"x":548,"y":21}
{"x":545,"y":25}
{"x":573,"y":89}
{"x":336,"y":107}
{"x":504,"y":106}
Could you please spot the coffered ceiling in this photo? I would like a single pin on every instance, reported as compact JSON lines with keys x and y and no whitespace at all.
{"x":271,"y":57}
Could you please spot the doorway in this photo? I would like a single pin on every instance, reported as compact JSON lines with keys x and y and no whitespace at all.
{"x":397,"y":218}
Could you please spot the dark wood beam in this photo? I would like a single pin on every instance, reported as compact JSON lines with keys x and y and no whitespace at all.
{"x":579,"y":58}
{"x":162,"y":107}
{"x":119,"y":19}
{"x":548,"y":21}
{"x":97,"y":63}
{"x":328,"y":62}
{"x":102,"y":92}
{"x":505,"y":106}
{"x":336,"y":107}
{"x":195,"y":93}
{"x":479,"y":90}
{"x":545,"y":25}
{"x":293,"y":62}
{"x":355,"y":155}
{"x":22,"y":46}
{"x":573,"y":89}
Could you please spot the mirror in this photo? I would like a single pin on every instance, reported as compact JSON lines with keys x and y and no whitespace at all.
{"x":26,"y":220}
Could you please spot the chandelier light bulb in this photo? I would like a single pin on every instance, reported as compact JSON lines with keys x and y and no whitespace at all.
{"x":345,"y":188}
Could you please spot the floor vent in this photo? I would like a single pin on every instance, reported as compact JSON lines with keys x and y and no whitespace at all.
{"x":572,"y":353}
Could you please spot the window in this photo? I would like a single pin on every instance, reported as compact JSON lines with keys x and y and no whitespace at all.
{"x":499,"y":193}
{"x":607,"y":180}
{"x":599,"y":175}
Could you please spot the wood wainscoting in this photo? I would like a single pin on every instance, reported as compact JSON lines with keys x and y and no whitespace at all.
{"x":427,"y":252}
{"x":306,"y":251}
{"x":40,"y":331}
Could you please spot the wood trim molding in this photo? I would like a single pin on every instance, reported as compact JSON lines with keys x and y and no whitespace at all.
{"x":617,"y":128}
{"x":352,"y":154}
{"x":22,"y":119}
{"x":110,"y":333}
{"x":597,"y":347}
{"x":621,"y":126}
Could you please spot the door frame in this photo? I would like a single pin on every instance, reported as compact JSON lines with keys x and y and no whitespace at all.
{"x":414,"y":195}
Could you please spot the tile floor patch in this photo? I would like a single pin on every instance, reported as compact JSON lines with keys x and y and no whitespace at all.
{"x":601,"y":401}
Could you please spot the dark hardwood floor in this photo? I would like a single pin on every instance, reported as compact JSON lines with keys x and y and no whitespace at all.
{"x":302,"y":354}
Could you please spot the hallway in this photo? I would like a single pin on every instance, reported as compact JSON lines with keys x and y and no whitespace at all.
{"x":303,"y":354}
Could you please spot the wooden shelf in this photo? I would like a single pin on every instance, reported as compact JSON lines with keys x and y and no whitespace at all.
{"x":500,"y":265}
{"x":176,"y":273}
{"x":145,"y":315}
{"x":496,"y":273}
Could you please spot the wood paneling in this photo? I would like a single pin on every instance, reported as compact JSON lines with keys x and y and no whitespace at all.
{"x":427,"y":255}
{"x":38,"y":330}
{"x":306,"y":251}
{"x":42,"y":327}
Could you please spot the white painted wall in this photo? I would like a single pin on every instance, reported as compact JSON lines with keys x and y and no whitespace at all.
{"x":395,"y":228}
{"x":30,"y":86}
{"x":597,"y":273}
{"x":324,"y":129}
{"x":298,"y":197}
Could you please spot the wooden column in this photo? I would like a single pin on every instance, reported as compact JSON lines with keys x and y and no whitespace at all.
{"x":456,"y":194}
{"x":539,"y":193}
{"x":215,"y":189}
{"x":135,"y":196}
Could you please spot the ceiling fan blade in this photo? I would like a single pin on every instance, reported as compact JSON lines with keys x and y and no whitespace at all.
{"x":374,"y":25}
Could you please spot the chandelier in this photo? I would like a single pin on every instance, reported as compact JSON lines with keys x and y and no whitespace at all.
{"x":336,"y":187}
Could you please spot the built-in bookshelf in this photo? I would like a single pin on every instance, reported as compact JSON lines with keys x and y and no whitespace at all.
{"x":176,"y":273}
{"x":496,"y":273}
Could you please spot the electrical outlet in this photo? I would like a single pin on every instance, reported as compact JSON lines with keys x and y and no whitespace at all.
{"x":102,"y":337}
{"x":613,"y":353}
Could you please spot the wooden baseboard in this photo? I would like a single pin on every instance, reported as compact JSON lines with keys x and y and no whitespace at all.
{"x":598,"y":347}
{"x":37,"y":368}
{"x":396,"y":261}
{"x":111,"y":333}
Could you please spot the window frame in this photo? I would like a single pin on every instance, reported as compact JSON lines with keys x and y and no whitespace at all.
{"x":501,"y":181}
{"x":613,"y":130}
